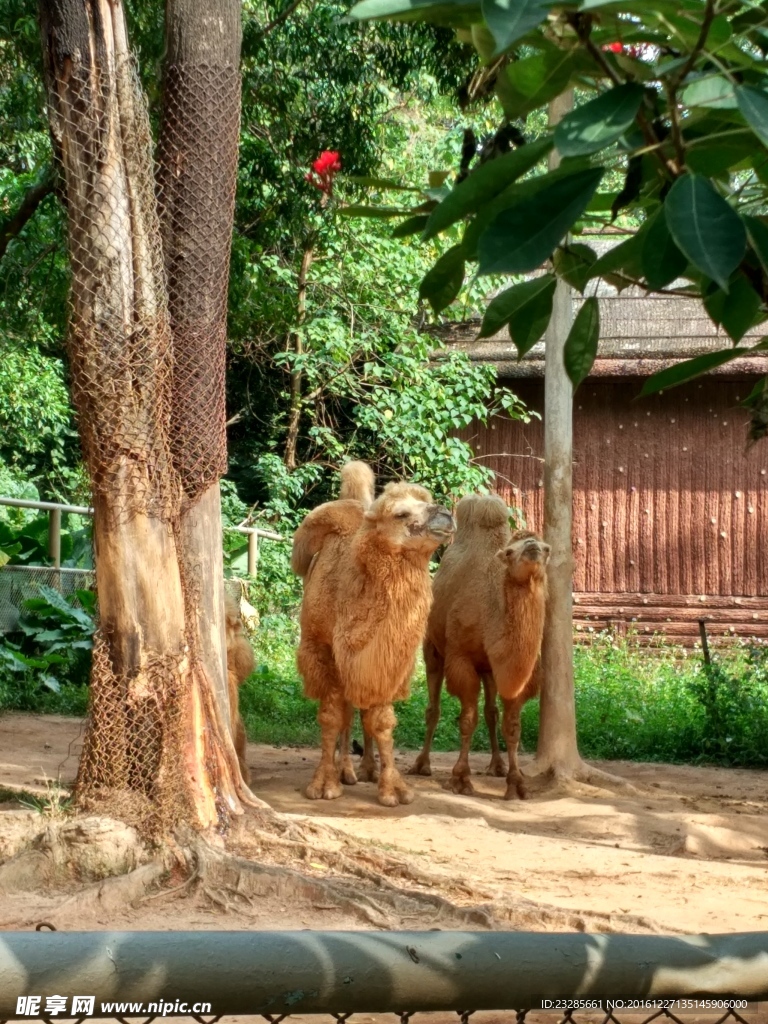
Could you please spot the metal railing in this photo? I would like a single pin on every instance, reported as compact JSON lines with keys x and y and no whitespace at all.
{"x":19,"y":582}
{"x":274,"y":974}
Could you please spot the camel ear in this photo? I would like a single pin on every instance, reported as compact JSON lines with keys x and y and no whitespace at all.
{"x":502,"y":555}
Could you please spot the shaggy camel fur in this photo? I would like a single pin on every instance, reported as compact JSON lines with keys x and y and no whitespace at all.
{"x":240,"y":664}
{"x":486,"y":624}
{"x":366,"y":600}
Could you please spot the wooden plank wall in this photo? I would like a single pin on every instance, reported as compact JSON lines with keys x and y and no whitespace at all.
{"x":670,"y":511}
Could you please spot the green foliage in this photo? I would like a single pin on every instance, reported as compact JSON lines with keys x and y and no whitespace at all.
{"x":48,"y":668}
{"x":581,"y":343}
{"x":24,"y":539}
{"x":668,"y":134}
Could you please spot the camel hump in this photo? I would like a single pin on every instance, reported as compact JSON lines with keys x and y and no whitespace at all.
{"x":481,"y":512}
{"x":357,"y":483}
{"x":333,"y":519}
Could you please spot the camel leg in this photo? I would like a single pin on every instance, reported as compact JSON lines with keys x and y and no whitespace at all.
{"x":434,"y":663}
{"x":368,"y":770}
{"x":239,"y":738}
{"x":379,"y":722}
{"x":510,"y":727}
{"x":491,"y":713}
{"x":464,"y":682}
{"x":333,"y":718}
{"x":348,"y":776}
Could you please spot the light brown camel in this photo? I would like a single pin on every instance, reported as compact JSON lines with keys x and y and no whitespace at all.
{"x":240,"y":664}
{"x":486,"y":625}
{"x":366,"y":601}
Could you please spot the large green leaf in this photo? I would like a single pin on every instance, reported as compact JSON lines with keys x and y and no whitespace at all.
{"x":736,"y":310}
{"x":660,"y":259}
{"x":753,"y":104}
{"x":573,"y":263}
{"x":443,"y":282}
{"x":717,"y":155}
{"x":485,"y":184}
{"x":705,"y":227}
{"x":445,"y":12}
{"x":527,"y":84}
{"x":581,"y":343}
{"x":712,"y":91}
{"x":510,"y":20}
{"x":525,"y":234}
{"x":412,"y":226}
{"x":525,"y":307}
{"x":690,"y":368}
{"x":757,"y":231}
{"x":600,"y":122}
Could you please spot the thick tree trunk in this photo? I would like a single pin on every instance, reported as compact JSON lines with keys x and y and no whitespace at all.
{"x":197,"y":179}
{"x":145,"y":686}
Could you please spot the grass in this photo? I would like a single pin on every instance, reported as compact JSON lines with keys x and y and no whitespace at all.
{"x":630,"y":703}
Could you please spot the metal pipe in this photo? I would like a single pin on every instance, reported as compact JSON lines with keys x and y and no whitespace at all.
{"x":253,"y":553}
{"x":374,"y":972}
{"x":255,"y":530}
{"x":38,"y":568}
{"x":24,"y":503}
{"x":54,"y":536}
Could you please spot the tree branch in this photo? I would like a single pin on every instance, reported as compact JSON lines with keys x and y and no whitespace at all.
{"x":706,"y":24}
{"x":281,"y":17}
{"x":14,"y":225}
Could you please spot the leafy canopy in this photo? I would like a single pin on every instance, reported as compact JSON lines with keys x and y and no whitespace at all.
{"x":668,"y":135}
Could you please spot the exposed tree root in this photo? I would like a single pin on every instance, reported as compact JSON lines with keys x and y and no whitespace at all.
{"x":579,"y":779}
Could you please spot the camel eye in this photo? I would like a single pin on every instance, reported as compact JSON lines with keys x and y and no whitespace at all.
{"x":402,"y":515}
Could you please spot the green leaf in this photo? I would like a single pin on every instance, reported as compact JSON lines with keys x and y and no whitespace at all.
{"x":690,"y":368}
{"x":573,"y":263}
{"x":581,"y":343}
{"x":705,"y":227}
{"x":736,"y":310}
{"x":445,"y":12}
{"x":525,"y":234}
{"x":718,"y":155}
{"x":757,"y":232}
{"x":600,"y":122}
{"x":660,"y":259}
{"x":710,"y":91}
{"x":527,"y":84}
{"x":753,"y":104}
{"x":443,"y":282}
{"x":4,"y":559}
{"x":385,"y":184}
{"x":529,"y":304}
{"x":50,"y":681}
{"x":510,"y":20}
{"x":485,"y":184}
{"x":412,"y":226}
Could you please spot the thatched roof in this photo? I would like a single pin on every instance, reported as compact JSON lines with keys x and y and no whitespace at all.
{"x":639,"y":335}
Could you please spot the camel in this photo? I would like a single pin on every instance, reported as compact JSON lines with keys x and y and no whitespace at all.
{"x":240,"y":664}
{"x":366,"y":601}
{"x":486,"y":625}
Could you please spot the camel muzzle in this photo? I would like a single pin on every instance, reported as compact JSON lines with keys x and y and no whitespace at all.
{"x":440,"y":523}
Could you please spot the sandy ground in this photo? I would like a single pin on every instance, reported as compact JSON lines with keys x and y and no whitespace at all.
{"x":690,"y":854}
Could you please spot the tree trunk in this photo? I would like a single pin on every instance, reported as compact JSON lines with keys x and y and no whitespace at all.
{"x":294,"y":413}
{"x":144,"y":686}
{"x":197,"y":179}
{"x":557,"y":748}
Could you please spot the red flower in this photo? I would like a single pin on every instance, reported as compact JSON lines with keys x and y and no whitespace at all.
{"x":614,"y":47}
{"x":325,"y":167}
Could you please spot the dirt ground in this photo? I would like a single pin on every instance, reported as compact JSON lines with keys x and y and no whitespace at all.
{"x":689,"y":854}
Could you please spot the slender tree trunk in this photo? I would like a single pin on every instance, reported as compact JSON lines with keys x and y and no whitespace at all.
{"x":557,"y":747}
{"x":294,"y":415}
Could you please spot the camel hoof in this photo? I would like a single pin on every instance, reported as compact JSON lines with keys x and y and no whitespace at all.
{"x":420,"y":767}
{"x":348,"y":777}
{"x":323,"y":790}
{"x":460,"y":785}
{"x":497,"y":769}
{"x":367,"y":774}
{"x":516,"y":790}
{"x":401,"y":795}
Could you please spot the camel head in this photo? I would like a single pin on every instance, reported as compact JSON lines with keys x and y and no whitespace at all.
{"x":407,"y":518}
{"x":526,"y":556}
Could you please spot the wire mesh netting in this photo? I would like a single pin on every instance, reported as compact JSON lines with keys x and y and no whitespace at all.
{"x":18,"y":583}
{"x":197,"y":173}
